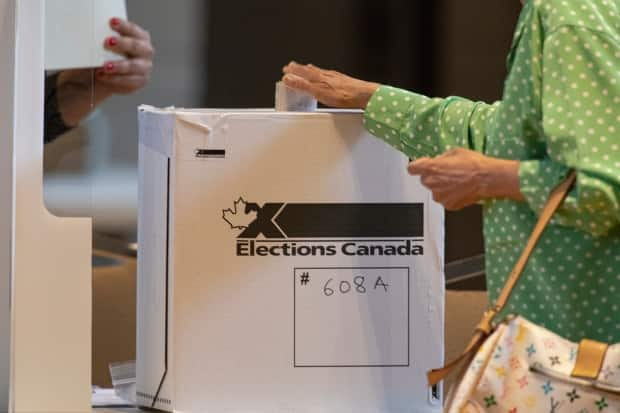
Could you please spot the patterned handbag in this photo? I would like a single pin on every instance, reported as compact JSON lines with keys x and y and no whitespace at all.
{"x":517,"y":366}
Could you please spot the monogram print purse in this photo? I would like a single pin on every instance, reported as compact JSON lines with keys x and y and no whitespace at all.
{"x":516,"y":366}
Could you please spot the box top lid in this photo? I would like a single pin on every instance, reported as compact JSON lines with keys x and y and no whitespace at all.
{"x":158,"y":125}
{"x":244,"y":111}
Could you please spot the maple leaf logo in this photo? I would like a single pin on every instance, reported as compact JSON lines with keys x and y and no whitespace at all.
{"x":238,"y":217}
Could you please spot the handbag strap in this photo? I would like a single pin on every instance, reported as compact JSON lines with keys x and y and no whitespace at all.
{"x":485,"y":327}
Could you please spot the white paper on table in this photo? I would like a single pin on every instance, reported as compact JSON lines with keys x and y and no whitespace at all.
{"x":107,"y":398}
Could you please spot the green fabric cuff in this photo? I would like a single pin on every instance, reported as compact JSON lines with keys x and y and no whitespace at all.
{"x":537,"y":178}
{"x":388,"y":116}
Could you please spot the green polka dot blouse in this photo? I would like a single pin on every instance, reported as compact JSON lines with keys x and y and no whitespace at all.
{"x":560,"y":109}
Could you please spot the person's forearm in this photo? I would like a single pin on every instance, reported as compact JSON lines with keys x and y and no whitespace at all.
{"x":421,"y":126}
{"x":364,"y":93}
{"x":77,"y":99}
{"x":499,"y":178}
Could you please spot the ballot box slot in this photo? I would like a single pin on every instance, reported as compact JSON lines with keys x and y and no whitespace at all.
{"x":210,"y":153}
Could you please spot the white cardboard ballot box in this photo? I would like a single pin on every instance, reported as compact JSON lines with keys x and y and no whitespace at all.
{"x":287,"y":263}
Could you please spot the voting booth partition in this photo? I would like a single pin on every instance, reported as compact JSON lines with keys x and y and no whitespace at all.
{"x":45,"y":316}
{"x":287,"y":263}
{"x":45,"y":268}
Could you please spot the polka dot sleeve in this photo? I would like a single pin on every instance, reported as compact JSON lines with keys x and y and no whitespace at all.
{"x":421,"y":126}
{"x":581,"y":122}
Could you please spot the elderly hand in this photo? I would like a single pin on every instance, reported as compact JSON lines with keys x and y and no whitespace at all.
{"x":328,"y":86}
{"x":461,"y":177}
{"x":76,"y":96}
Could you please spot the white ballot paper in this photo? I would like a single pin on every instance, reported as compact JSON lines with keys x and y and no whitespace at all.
{"x":287,"y":99}
{"x":75,"y":31}
{"x":287,"y":263}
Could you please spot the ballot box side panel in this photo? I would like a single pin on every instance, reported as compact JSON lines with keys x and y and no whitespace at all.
{"x":156,"y":129}
{"x":237,"y":316}
{"x":436,"y":285}
{"x":154,"y":375}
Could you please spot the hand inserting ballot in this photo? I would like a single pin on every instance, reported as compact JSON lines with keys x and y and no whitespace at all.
{"x":328,"y":86}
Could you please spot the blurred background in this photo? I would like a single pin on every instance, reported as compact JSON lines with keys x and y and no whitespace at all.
{"x":229,"y":53}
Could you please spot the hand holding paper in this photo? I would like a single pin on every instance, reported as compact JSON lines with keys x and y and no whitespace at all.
{"x":78,"y":92}
{"x":127,"y":76}
{"x":461,"y":177}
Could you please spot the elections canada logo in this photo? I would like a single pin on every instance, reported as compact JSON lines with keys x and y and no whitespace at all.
{"x":240,"y":216}
{"x":326,"y":229}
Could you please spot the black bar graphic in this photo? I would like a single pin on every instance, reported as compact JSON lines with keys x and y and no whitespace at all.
{"x":352,"y":220}
{"x":210,"y":153}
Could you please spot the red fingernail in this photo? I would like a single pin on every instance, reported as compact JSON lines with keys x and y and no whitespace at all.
{"x":112,"y":41}
{"x":109,"y":66}
{"x":115,"y":21}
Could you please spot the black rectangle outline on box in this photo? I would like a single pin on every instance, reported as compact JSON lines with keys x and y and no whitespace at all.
{"x":295,"y":365}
